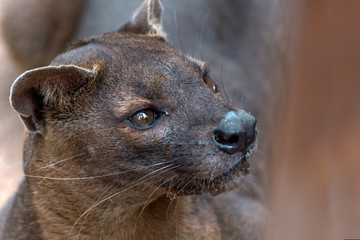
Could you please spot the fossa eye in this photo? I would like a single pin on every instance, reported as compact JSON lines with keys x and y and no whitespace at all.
{"x":144,"y":119}
{"x":208,"y":80}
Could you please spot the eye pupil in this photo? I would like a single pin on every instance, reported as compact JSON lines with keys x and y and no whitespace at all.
{"x":143,"y":118}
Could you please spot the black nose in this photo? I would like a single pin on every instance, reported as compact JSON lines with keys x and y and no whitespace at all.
{"x":236,"y":132}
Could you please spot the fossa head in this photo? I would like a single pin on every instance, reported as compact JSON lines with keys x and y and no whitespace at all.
{"x":126,"y":107}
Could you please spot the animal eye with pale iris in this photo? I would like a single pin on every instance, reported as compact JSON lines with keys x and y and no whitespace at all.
{"x":144,"y":118}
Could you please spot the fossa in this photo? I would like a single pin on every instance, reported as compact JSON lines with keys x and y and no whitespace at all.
{"x":123,"y":134}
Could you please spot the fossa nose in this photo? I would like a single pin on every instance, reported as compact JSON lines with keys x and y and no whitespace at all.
{"x":236,"y":132}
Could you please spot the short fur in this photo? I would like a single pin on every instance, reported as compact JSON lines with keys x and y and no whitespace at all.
{"x":92,"y":175}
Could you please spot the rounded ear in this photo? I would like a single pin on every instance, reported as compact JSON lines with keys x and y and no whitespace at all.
{"x":146,"y":19}
{"x":36,"y":88}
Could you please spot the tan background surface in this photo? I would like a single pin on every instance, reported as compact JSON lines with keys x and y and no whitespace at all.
{"x":315,"y":147}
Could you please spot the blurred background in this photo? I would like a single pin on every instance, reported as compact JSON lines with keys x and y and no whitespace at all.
{"x":294,"y":64}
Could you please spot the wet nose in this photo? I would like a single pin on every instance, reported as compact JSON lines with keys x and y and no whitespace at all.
{"x":236,"y":132}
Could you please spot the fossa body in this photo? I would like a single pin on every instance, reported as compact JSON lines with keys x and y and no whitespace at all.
{"x":125,"y":138}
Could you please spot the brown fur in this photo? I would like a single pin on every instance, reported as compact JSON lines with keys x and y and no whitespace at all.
{"x":91,"y":175}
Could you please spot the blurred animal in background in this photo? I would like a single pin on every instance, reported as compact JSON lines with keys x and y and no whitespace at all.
{"x":41,"y":31}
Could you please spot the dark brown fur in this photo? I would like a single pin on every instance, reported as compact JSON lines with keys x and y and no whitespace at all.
{"x":91,"y":175}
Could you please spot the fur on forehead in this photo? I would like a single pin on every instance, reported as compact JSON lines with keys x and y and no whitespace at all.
{"x":146,"y":19}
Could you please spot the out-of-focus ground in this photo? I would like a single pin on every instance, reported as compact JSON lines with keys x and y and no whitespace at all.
{"x":10,"y":127}
{"x":314,"y":183}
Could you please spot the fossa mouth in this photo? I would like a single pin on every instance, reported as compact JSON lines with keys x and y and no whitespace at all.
{"x":214,"y":185}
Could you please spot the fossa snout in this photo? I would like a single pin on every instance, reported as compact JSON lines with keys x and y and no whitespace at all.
{"x":236,"y":132}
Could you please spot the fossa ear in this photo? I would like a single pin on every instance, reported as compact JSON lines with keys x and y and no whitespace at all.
{"x":146,"y":19}
{"x":39,"y":87}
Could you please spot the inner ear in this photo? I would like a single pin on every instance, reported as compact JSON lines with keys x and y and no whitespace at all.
{"x":146,"y":19}
{"x":38,"y":87}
